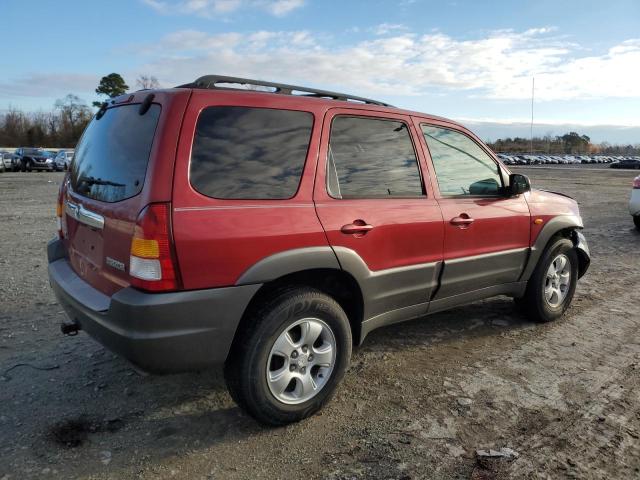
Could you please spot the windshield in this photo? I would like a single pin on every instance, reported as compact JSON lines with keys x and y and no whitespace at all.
{"x":32,"y":151}
{"x":111,"y":159}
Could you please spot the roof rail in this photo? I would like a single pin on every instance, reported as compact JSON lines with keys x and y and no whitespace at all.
{"x":212,"y":81}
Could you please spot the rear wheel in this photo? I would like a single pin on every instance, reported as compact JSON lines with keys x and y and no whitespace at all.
{"x":551,"y":287}
{"x":290,"y":356}
{"x":636,"y":221}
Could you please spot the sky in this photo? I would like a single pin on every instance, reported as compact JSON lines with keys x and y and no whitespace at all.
{"x":469,"y":60}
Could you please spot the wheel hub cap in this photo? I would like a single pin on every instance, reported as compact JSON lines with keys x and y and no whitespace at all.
{"x":557,"y":280}
{"x":301,"y":361}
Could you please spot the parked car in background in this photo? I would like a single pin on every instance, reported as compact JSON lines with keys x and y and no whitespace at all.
{"x":63,"y":159}
{"x":5,"y":161}
{"x":634,"y":202}
{"x":272,"y":232}
{"x":26,"y":159}
{"x":629,"y":163}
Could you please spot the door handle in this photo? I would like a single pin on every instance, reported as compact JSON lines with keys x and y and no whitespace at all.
{"x":357,"y":227}
{"x":463,"y":220}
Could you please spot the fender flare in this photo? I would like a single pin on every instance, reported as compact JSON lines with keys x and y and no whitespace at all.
{"x":290,"y":261}
{"x":388,"y":295}
{"x":552,"y":227}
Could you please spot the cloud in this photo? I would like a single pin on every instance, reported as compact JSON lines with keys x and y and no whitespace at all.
{"x":48,"y":84}
{"x":492,"y":130}
{"x":497,"y":65}
{"x":385,"y":28}
{"x":213,"y":8}
{"x":280,"y":8}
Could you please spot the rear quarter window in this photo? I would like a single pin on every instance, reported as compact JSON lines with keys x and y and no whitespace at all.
{"x":249,"y":153}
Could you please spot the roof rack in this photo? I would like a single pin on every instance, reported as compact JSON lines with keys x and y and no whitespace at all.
{"x":212,"y":81}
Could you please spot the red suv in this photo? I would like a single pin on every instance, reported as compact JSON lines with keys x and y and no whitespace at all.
{"x":270,"y":231}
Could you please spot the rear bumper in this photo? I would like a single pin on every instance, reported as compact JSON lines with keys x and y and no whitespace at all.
{"x":159,"y":333}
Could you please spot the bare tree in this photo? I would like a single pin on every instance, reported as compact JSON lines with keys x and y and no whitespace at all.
{"x":72,"y":110}
{"x":145,"y":82}
{"x":73,"y":117}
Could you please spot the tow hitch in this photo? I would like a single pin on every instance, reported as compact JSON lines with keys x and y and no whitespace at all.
{"x":70,"y":329}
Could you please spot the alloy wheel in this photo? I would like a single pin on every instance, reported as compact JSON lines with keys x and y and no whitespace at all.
{"x":301,"y":361}
{"x":557,"y":280}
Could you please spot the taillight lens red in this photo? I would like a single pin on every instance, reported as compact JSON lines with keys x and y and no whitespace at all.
{"x":59,"y":209}
{"x":636,"y":182}
{"x":152,"y":264}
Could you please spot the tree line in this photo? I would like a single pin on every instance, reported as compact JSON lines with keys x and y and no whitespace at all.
{"x":62,"y":126}
{"x":571,"y":143}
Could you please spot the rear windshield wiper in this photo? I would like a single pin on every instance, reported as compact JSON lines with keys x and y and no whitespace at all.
{"x":98,"y":181}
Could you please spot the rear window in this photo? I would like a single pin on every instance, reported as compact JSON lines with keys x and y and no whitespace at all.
{"x":249,"y":153}
{"x":111,"y":159}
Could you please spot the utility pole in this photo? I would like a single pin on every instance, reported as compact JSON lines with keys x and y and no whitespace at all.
{"x":533,"y":89}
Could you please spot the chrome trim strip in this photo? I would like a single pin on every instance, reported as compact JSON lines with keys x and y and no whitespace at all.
{"x":72,"y":210}
{"x":240,"y":207}
{"x":82,"y":215}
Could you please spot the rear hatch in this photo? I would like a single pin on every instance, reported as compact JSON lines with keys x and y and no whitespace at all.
{"x":123,"y":162}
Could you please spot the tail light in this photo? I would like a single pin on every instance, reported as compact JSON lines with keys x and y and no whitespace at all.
{"x":636,"y":182}
{"x":152,"y":264}
{"x":59,"y":210}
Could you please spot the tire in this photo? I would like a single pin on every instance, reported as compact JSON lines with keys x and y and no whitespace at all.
{"x":534,"y":303}
{"x":254,"y":355}
{"x":636,"y":221}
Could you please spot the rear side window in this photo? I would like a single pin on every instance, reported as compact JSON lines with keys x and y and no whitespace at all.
{"x":111,"y":159}
{"x":249,"y":153}
{"x":371,"y":158}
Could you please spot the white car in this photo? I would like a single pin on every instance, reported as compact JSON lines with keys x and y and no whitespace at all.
{"x":63,"y":159}
{"x":5,"y":161}
{"x":634,"y":202}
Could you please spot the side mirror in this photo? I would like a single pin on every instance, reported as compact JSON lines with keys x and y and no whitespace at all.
{"x":518,"y":184}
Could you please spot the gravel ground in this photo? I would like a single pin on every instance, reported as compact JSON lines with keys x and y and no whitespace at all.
{"x":418,"y":401}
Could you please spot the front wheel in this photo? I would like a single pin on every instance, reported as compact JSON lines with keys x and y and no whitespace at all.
{"x":289,"y":357}
{"x":636,"y":221}
{"x":551,"y":287}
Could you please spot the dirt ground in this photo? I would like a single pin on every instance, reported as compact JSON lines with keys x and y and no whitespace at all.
{"x":418,"y":401}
